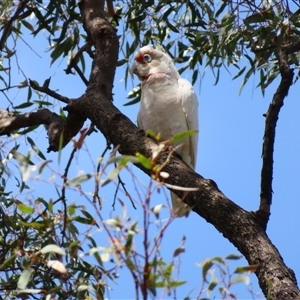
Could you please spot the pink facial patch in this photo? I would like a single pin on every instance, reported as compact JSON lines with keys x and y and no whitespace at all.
{"x":140,"y":58}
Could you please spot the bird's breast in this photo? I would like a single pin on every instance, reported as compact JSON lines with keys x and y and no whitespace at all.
{"x":161,"y":108}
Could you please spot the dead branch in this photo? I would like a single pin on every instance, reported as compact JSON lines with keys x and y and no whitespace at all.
{"x":269,"y":134}
{"x":45,"y":89}
{"x":10,"y":122}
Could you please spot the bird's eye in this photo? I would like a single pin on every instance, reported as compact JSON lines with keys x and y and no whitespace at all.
{"x":147,"y":58}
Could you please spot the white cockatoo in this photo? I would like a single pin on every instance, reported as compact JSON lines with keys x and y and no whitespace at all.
{"x":168,"y":106}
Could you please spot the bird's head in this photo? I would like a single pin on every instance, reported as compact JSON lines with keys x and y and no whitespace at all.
{"x":149,"y":61}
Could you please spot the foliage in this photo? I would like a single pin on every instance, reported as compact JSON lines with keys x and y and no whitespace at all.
{"x":216,"y":35}
{"x":32,"y":263}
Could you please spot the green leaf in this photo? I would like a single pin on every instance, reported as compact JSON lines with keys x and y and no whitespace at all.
{"x":213,"y":283}
{"x":30,"y":291}
{"x":43,"y":165}
{"x":129,"y":240}
{"x":84,"y":220}
{"x":134,"y":101}
{"x":24,"y":105}
{"x":35,"y":148}
{"x":247,"y":76}
{"x":171,"y":26}
{"x":35,"y":225}
{"x":114,"y":173}
{"x":239,"y":73}
{"x":24,"y":279}
{"x":250,"y":268}
{"x":113,"y":223}
{"x":78,"y":180}
{"x":85,"y":288}
{"x":234,"y":256}
{"x":221,"y":9}
{"x":27,"y":25}
{"x":43,"y":103}
{"x":25,"y":209}
{"x":52,"y":248}
{"x":180,"y":136}
{"x":123,"y":160}
{"x":144,"y":161}
{"x":88,"y":215}
{"x":175,"y":284}
{"x":29,"y":129}
{"x":178,"y":251}
{"x":22,"y":159}
{"x":240,"y":279}
{"x":57,"y":266}
{"x":205,"y":267}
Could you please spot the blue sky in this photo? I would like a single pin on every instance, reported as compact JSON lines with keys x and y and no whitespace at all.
{"x":229,"y":152}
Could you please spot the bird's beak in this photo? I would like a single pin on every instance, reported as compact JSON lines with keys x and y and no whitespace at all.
{"x":134,"y":68}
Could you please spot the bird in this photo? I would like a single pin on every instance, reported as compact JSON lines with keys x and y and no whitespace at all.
{"x":168,"y":106}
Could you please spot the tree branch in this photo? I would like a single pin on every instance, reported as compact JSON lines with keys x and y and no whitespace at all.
{"x":10,"y":122}
{"x":45,"y":89}
{"x":291,"y":48}
{"x":57,"y":125}
{"x":74,"y":61}
{"x":269,"y":135}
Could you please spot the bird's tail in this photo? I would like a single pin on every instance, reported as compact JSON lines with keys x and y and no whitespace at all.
{"x":180,"y":209}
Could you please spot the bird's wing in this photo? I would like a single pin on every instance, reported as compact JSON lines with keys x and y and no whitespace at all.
{"x":190,"y":108}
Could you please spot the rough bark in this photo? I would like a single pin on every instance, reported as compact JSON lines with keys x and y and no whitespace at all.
{"x":272,"y":116}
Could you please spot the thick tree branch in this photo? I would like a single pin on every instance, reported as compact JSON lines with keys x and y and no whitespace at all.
{"x":269,"y":135}
{"x":68,"y":128}
{"x":106,"y":48}
{"x":57,"y":125}
{"x":10,"y":122}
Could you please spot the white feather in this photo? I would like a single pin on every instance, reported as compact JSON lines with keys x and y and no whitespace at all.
{"x":168,"y":106}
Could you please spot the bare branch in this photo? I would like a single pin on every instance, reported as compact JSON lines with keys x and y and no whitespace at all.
{"x":45,"y":89}
{"x":10,"y":122}
{"x":269,"y":134}
{"x":81,"y":75}
{"x":60,"y":130}
{"x":74,"y":61}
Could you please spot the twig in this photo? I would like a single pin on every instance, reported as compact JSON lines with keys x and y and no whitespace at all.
{"x":96,"y":193}
{"x":63,"y":193}
{"x":74,"y":61}
{"x":45,"y":89}
{"x":81,"y":75}
{"x":269,"y":135}
{"x":122,"y":183}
